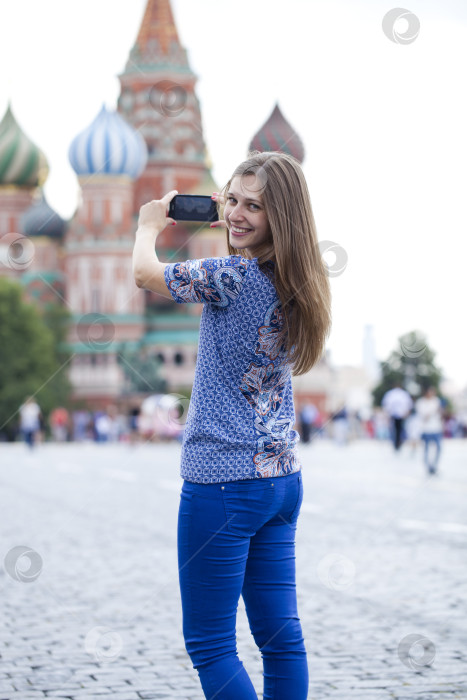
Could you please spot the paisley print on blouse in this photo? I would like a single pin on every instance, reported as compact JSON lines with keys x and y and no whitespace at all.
{"x":241,"y":414}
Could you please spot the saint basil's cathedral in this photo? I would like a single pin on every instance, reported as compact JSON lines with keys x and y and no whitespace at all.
{"x":151,"y":144}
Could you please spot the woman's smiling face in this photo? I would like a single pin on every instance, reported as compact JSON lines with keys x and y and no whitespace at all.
{"x":244,"y":214}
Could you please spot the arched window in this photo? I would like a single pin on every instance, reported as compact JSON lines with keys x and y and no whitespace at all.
{"x":98,"y":211}
{"x":116,"y":210}
{"x":95,"y":300}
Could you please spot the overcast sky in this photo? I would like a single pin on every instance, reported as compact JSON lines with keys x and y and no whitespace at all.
{"x":383,"y":124}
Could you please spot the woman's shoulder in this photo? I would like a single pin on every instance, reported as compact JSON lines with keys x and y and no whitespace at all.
{"x":240,"y":261}
{"x":237,"y":262}
{"x":249,"y":269}
{"x":240,"y":274}
{"x":266,"y":267}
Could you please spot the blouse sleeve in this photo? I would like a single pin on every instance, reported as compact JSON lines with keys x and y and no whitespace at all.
{"x":216,"y":281}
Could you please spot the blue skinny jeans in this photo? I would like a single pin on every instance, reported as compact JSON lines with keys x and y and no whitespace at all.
{"x":238,"y":538}
{"x":435,"y":438}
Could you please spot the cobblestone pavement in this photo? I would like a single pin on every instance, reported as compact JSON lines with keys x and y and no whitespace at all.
{"x":94,"y":610}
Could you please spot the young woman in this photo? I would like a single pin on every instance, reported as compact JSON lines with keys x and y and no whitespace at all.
{"x":266,"y":316}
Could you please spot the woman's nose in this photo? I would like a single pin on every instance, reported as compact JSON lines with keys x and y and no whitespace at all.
{"x":236,"y":213}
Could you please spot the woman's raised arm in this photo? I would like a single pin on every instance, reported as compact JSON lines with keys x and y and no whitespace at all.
{"x":148,"y":271}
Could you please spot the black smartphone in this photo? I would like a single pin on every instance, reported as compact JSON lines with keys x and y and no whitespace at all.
{"x":193,"y":207}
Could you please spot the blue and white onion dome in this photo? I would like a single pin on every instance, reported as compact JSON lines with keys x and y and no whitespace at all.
{"x":108,"y":146}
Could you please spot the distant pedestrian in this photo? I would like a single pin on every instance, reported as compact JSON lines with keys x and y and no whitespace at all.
{"x":83,"y":427}
{"x":462,"y":419}
{"x":397,"y":403}
{"x":133,"y":420}
{"x":429,"y":409}
{"x":59,"y":421}
{"x":451,"y":425}
{"x":116,"y":423}
{"x":308,"y":416}
{"x":380,"y":420}
{"x":340,"y":421}
{"x":413,"y":429}
{"x":366,"y":426}
{"x":102,"y":426}
{"x":30,"y":423}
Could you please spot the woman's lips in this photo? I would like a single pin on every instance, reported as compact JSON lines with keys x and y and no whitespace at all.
{"x":239,"y":232}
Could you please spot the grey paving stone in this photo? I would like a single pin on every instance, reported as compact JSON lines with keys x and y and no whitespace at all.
{"x":109,"y":560}
{"x":26,"y":695}
{"x":64,"y":690}
{"x":151,"y":696}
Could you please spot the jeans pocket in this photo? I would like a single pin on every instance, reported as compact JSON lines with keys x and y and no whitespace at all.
{"x":247,"y":507}
{"x":296,"y":511}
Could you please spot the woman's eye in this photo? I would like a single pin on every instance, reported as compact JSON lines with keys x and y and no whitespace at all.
{"x":234,"y":201}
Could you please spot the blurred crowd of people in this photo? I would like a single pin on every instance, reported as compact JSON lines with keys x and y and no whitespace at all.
{"x":161,"y":417}
{"x":157,"y":419}
{"x":400,"y":418}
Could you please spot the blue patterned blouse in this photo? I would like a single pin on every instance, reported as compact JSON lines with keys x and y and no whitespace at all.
{"x":241,"y":414}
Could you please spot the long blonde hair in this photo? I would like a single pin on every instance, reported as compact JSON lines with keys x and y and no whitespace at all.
{"x":300,"y":276}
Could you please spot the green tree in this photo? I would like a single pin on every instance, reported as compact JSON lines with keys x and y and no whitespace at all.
{"x":141,"y":372}
{"x":412,"y":365}
{"x":57,"y":391}
{"x":30,"y":360}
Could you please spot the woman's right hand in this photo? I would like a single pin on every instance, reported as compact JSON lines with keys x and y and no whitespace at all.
{"x":221,"y":223}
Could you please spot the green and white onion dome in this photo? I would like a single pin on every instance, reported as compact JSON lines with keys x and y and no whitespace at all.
{"x":108,"y":146}
{"x":41,"y":220}
{"x":22,"y":163}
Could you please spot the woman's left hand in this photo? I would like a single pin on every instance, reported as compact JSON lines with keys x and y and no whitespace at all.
{"x":153,"y":215}
{"x":218,"y":198}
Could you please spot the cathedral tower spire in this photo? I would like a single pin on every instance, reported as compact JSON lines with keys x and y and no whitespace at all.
{"x":158,"y":25}
{"x":158,"y":99}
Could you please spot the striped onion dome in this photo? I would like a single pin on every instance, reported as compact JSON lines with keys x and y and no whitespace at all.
{"x":21,"y":161}
{"x":41,"y":220}
{"x":108,"y":146}
{"x":276,"y":134}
